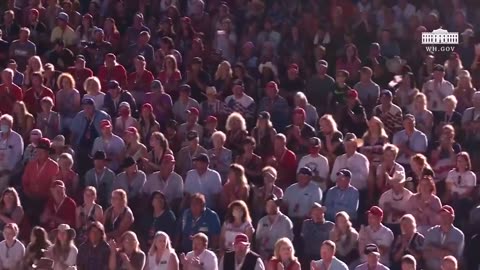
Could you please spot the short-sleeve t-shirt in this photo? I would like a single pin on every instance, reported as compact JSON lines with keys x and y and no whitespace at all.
{"x":461,"y":182}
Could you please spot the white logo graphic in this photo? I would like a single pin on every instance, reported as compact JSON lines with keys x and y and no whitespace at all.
{"x":440,"y":40}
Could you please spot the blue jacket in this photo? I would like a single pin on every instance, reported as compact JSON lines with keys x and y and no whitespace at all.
{"x":79,"y":123}
{"x":112,"y":110}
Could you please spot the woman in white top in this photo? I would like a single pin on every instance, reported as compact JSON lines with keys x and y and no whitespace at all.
{"x":161,"y":255}
{"x":87,"y":213}
{"x":93,"y":88}
{"x":461,"y":182}
{"x":237,"y":220}
{"x":11,"y":249}
{"x":63,"y":252}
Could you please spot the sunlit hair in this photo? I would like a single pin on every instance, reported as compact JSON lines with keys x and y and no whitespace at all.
{"x":7,"y":118}
{"x":68,"y":157}
{"x":13,"y":227}
{"x":451,"y":98}
{"x":270,"y":170}
{"x":91,"y":189}
{"x":168,"y":243}
{"x":13,"y":191}
{"x":219,"y":73}
{"x":240,"y":204}
{"x":157,"y":135}
{"x":202,"y":237}
{"x":170,"y":57}
{"x":239,"y":172}
{"x":344,"y":215}
{"x":65,"y":76}
{"x":92,"y":85}
{"x":133,"y":237}
{"x":330,"y":244}
{"x":409,"y":218}
{"x":219,"y":135}
{"x":451,"y":259}
{"x":281,"y":137}
{"x":391,"y":147}
{"x":423,"y":97}
{"x":420,"y":160}
{"x":301,"y":96}
{"x":36,"y":60}
{"x":467,"y":159}
{"x":278,"y":245}
{"x":431,"y":184}
{"x":122,"y":194}
{"x":236,"y":117}
{"x":328,"y":118}
{"x":381,"y":128}
{"x":99,"y":226}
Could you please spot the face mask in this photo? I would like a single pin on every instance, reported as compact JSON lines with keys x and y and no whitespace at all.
{"x":4,"y":128}
{"x":237,"y":213}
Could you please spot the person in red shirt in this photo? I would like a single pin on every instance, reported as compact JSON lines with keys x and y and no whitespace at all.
{"x":170,"y":76}
{"x":37,"y":177}
{"x":9,"y":92}
{"x":139,"y":81}
{"x":60,"y":208}
{"x":112,"y":71}
{"x":285,"y":161}
{"x":80,"y":72}
{"x":34,"y":95}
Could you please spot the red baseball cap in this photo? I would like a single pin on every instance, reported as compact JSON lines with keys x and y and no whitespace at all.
{"x":448,"y":209}
{"x":241,"y":239}
{"x":376,"y":211}
{"x":105,"y":123}
{"x":293,"y":67}
{"x":168,"y":158}
{"x":271,"y":84}
{"x":211,"y":119}
{"x":131,"y":130}
{"x":35,"y":11}
{"x":352,"y":94}
{"x":299,"y":110}
{"x":193,"y":110}
{"x":148,"y":106}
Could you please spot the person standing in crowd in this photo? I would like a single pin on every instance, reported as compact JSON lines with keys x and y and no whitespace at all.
{"x":161,"y":254}
{"x":443,"y":240}
{"x":242,"y":256}
{"x":237,"y":222}
{"x":389,"y":113}
{"x":409,"y":242}
{"x":190,"y":124}
{"x":436,"y":90}
{"x":127,"y":253}
{"x":60,"y":209}
{"x":276,"y":105}
{"x":274,"y":225}
{"x":377,"y":234}
{"x":115,"y":96}
{"x":95,"y":251}
{"x":11,"y":148}
{"x":167,"y":181}
{"x":372,"y":252}
{"x":118,"y":218}
{"x":328,"y":259}
{"x":220,"y":156}
{"x":131,"y":180}
{"x":198,"y":218}
{"x":101,"y":178}
{"x":317,"y":163}
{"x":39,"y":243}
{"x":140,"y":80}
{"x":409,"y":141}
{"x":285,"y":161}
{"x":110,"y":144}
{"x":283,"y":256}
{"x":299,"y":132}
{"x":199,"y":256}
{"x":87,"y":213}
{"x":12,"y":250}
{"x":186,"y":154}
{"x":342,"y":197}
{"x":314,"y":232}
{"x":9,"y":92}
{"x":63,"y":252}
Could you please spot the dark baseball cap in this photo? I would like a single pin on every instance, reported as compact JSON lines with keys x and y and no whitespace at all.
{"x":439,"y":67}
{"x":88,"y":101}
{"x":371,"y":248}
{"x":192,"y":134}
{"x":314,"y":142}
{"x":112,"y":84}
{"x":305,"y":171}
{"x":202,"y":158}
{"x":345,"y":172}
{"x":264,"y":115}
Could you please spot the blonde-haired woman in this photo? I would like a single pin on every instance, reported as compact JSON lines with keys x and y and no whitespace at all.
{"x":93,"y":89}
{"x":345,"y":238}
{"x":384,"y":171}
{"x":127,"y":253}
{"x":262,"y":192}
{"x":423,"y":116}
{"x":236,"y":187}
{"x":283,"y":256}
{"x":34,"y":65}
{"x":464,"y":91}
{"x":409,"y":241}
{"x":424,"y":205}
{"x":264,"y":134}
{"x":170,"y":76}
{"x":67,"y":174}
{"x":67,"y":99}
{"x":373,"y":141}
{"x":87,"y":213}
{"x":236,"y":132}
{"x":161,"y":255}
{"x":23,"y":121}
{"x":223,"y":79}
{"x":118,"y":217}
{"x":331,"y":138}
{"x":134,"y":148}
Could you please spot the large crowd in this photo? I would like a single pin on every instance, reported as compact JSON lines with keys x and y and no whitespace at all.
{"x":238,"y":135}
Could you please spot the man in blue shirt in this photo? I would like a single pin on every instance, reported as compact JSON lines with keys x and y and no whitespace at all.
{"x":198,"y":219}
{"x":342,"y":197}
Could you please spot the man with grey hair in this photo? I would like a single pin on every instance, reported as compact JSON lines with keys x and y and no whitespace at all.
{"x":11,"y":150}
{"x":9,"y":91}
